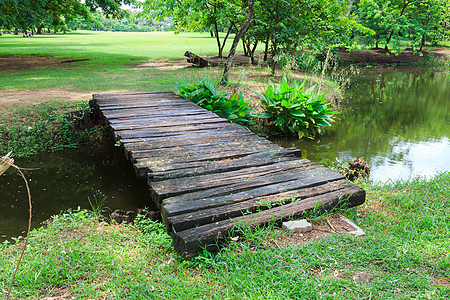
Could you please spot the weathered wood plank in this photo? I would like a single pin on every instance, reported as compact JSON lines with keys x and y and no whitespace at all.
{"x":189,"y":242}
{"x":165,"y":105}
{"x":163,"y":170}
{"x":248,"y":205}
{"x":180,"y":141}
{"x":172,"y":130}
{"x":233,"y":131}
{"x":132,"y":115}
{"x":161,"y":190}
{"x":310,"y":177}
{"x":122,"y":95}
{"x":140,"y":120}
{"x":168,"y":123}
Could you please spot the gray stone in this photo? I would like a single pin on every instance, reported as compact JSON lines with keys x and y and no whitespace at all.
{"x":297,"y":226}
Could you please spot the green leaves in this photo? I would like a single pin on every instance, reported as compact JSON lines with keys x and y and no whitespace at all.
{"x":290,"y":109}
{"x":204,"y":93}
{"x":287,"y":107}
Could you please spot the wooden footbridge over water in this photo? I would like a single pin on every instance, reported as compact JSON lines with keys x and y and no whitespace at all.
{"x":208,"y":175}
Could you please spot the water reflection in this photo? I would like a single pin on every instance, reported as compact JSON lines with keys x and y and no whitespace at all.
{"x":396,"y":118}
{"x":67,"y":179}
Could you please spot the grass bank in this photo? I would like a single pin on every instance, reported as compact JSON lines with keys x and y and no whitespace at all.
{"x":48,"y":126}
{"x":404,"y":256}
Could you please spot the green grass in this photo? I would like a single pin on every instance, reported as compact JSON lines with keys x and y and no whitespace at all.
{"x":404,"y":256}
{"x":48,"y":126}
{"x":112,"y":55}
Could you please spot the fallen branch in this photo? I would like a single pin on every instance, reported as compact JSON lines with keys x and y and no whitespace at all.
{"x":5,"y":163}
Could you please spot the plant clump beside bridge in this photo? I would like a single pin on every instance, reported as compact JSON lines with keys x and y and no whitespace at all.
{"x":287,"y":107}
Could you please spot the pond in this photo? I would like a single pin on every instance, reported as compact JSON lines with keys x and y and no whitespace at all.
{"x":395,"y":118}
{"x":68,"y":179}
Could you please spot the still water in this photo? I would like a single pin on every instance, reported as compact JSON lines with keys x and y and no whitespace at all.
{"x":397,"y":119}
{"x":67,"y":179}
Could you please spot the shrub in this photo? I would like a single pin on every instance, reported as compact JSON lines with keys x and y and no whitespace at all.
{"x":204,"y":93}
{"x":292,"y":110}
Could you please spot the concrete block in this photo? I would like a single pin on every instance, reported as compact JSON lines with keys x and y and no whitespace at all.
{"x":297,"y":226}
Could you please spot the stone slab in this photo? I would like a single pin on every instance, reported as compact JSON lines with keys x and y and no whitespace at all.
{"x":297,"y":226}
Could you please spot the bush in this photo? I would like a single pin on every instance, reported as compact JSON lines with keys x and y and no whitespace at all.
{"x":204,"y":93}
{"x":292,"y":110}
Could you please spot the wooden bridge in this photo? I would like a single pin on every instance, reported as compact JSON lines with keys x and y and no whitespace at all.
{"x":208,"y":175}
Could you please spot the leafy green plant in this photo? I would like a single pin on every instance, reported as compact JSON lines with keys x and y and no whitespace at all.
{"x":291,"y":109}
{"x":204,"y":93}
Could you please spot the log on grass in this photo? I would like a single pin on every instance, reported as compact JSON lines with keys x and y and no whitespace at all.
{"x":197,"y":60}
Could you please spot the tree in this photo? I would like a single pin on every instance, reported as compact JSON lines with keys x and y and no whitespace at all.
{"x":29,"y":14}
{"x":411,"y":20}
{"x":238,"y":36}
{"x":203,"y":15}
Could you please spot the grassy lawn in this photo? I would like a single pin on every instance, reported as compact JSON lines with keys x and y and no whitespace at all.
{"x":405,"y":255}
{"x":112,"y":58}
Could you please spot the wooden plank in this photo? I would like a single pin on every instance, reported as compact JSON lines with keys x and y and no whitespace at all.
{"x":121,"y":95}
{"x":164,"y":124}
{"x":138,"y":101}
{"x":189,"y":156}
{"x":189,"y":242}
{"x":207,"y":151}
{"x":191,"y":202}
{"x":250,"y":178}
{"x":159,"y":169}
{"x":163,"y":105}
{"x":175,"y":142}
{"x":136,"y":114}
{"x":141,"y":120}
{"x":166,"y":170}
{"x":220,"y":132}
{"x":176,"y":129}
{"x":248,"y":205}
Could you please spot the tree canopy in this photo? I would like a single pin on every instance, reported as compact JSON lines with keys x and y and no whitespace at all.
{"x":28,"y":14}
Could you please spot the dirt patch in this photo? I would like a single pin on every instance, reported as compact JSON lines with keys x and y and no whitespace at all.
{"x":382,"y":56}
{"x":11,"y":99}
{"x":16,"y":63}
{"x":332,"y":224}
{"x":172,"y":65}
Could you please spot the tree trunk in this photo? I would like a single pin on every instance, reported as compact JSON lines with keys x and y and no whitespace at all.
{"x":266,"y":49}
{"x":423,"y":42}
{"x":238,"y":36}
{"x":216,"y":31}
{"x":252,"y":52}
{"x":392,"y":31}
{"x":211,"y":33}
{"x":244,"y":46}
{"x":39,"y":30}
{"x":274,"y":53}
{"x":226,"y":37}
{"x":16,"y":31}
